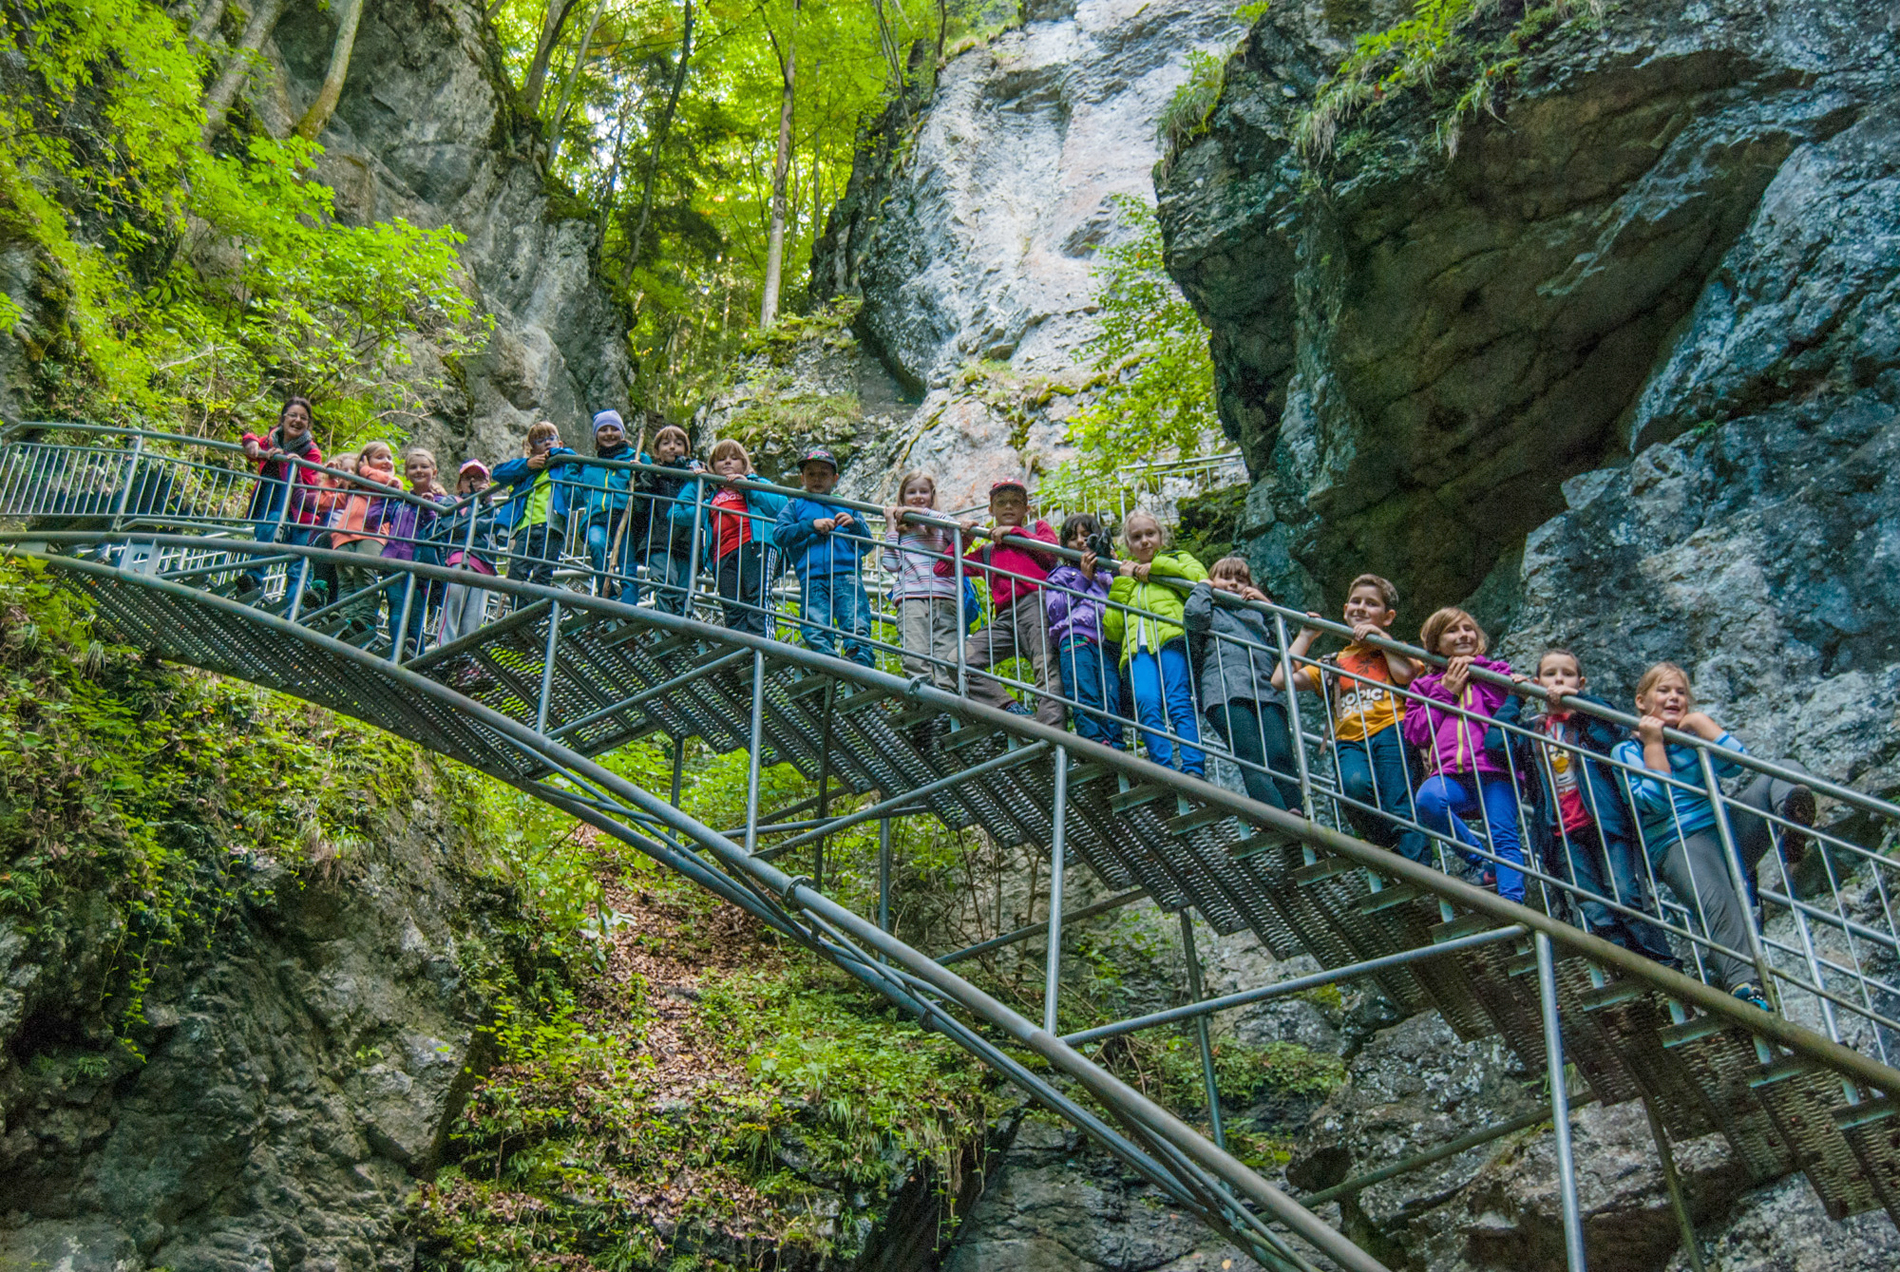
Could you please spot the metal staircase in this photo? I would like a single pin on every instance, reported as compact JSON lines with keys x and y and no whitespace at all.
{"x":566,"y":677}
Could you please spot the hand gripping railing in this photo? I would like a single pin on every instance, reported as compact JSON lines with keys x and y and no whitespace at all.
{"x":1828,"y":957}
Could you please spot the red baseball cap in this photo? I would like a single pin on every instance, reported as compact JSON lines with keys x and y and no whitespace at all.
{"x":1007,"y":483}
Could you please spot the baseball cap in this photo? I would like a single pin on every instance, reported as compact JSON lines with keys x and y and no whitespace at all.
{"x":818,"y":455}
{"x":1007,"y":483}
{"x":474,"y":465}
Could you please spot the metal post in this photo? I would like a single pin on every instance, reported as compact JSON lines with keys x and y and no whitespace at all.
{"x":701,"y":499}
{"x":1738,"y":879}
{"x":398,"y":638}
{"x":1559,"y":1102}
{"x":547,"y":665}
{"x":125,"y":492}
{"x":884,"y":875}
{"x":824,"y":784}
{"x":758,"y":741}
{"x":1200,"y":1029}
{"x":679,"y":764}
{"x":963,"y":623}
{"x":1690,"y":1246}
{"x":1058,"y":844}
{"x":1293,"y":717}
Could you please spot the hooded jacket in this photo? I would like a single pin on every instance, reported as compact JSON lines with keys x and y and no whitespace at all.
{"x":655,"y":498}
{"x":811,"y":552}
{"x":1233,"y":648}
{"x":1074,"y":603}
{"x":361,"y":514}
{"x":600,"y":490}
{"x":1005,"y":556}
{"x":516,"y":476}
{"x":1146,"y":616}
{"x":762,"y":508}
{"x":1451,"y":743}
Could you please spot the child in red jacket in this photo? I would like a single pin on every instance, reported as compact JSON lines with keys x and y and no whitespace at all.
{"x":1014,"y":569}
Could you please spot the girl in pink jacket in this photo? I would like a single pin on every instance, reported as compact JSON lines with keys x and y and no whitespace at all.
{"x":1463,"y":781}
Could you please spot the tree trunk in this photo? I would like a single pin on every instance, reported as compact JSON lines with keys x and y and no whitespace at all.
{"x":325,"y":104}
{"x":567,"y":85}
{"x":557,"y":15}
{"x":243,"y":61}
{"x":775,"y":242}
{"x":206,"y":25}
{"x":659,"y":140}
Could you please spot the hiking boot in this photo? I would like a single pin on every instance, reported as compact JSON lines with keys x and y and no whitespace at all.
{"x":1018,"y":709}
{"x":1798,"y":808}
{"x":1750,"y":993}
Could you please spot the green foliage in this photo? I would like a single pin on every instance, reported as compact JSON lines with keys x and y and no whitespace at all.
{"x":1442,"y":49}
{"x":188,"y":288}
{"x":1154,"y":399}
{"x":1185,"y":116}
{"x":153,"y":800}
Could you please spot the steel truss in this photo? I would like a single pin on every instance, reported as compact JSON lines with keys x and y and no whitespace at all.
{"x":570,"y":676}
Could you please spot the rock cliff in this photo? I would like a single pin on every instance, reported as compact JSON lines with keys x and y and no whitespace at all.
{"x":427,"y":130}
{"x":971,"y":225}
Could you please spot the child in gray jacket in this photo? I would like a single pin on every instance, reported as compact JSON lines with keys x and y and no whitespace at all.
{"x":1236,"y":656}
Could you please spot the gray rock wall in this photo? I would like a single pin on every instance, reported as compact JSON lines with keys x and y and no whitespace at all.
{"x":297,"y":1083}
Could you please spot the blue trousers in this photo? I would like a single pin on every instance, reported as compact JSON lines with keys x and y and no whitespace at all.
{"x":269,"y":518}
{"x":1445,"y":801}
{"x":1372,"y":771}
{"x":1093,"y":681}
{"x":837,"y":613}
{"x":1581,"y":856}
{"x":1164,"y":698}
{"x":600,"y":540}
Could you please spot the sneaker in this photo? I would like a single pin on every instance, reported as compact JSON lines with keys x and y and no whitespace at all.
{"x":1750,"y":993}
{"x":1799,"y":809}
{"x":1018,"y":709}
{"x":1488,"y":879}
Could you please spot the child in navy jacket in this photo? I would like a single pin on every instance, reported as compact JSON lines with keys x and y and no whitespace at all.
{"x":824,"y":541}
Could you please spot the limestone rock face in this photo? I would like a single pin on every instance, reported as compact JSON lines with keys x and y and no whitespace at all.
{"x":1417,"y":348}
{"x":426,"y":130}
{"x":973,"y":221}
{"x":300,"y":1080}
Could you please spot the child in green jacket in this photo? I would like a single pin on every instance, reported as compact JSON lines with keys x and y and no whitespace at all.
{"x":1146,"y":616}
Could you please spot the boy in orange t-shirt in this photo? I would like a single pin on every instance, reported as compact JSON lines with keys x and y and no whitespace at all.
{"x":1357,"y":683}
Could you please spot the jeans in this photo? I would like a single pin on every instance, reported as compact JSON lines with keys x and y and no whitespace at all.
{"x":670,"y":575}
{"x":1164,"y":698}
{"x":838,"y":602}
{"x":601,"y":533}
{"x":742,"y":576}
{"x":1019,"y":630}
{"x":1257,"y":734}
{"x":1445,"y":801}
{"x":1696,"y":870}
{"x":268,"y":513}
{"x":1093,"y":681}
{"x":421,"y":598}
{"x":1372,"y":770}
{"x":1581,"y":856}
{"x":531,"y":558}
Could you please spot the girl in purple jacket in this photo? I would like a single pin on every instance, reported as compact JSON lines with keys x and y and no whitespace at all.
{"x":1462,"y":780}
{"x":1073,"y":597}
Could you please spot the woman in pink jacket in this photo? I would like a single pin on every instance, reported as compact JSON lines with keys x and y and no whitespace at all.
{"x":1463,"y":781}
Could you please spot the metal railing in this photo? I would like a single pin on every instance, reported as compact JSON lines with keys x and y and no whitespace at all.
{"x":1823,"y":946}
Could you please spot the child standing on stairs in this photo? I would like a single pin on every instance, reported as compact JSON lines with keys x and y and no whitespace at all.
{"x":824,"y":541}
{"x":1679,"y":827}
{"x":1238,"y":657}
{"x":1014,"y":569}
{"x":1146,"y":616}
{"x":1369,"y":748}
{"x":661,"y":543}
{"x":926,"y":600}
{"x":1578,"y":809}
{"x":1463,"y":780}
{"x":361,"y":519}
{"x":735,"y":536}
{"x":536,"y":513}
{"x":1075,"y":596}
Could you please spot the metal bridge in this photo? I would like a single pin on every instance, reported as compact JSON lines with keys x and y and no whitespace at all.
{"x":162,"y":535}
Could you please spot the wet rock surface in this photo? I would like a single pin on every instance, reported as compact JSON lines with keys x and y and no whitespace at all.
{"x":298,"y":1080}
{"x":1417,"y":348}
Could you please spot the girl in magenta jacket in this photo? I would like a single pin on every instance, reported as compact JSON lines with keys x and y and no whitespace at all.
{"x":1463,"y":781}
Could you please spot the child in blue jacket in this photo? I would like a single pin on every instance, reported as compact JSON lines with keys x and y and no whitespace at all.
{"x":536,"y":511}
{"x":824,"y":541}
{"x":602,"y":497}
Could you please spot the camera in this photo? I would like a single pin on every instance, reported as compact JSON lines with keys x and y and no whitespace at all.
{"x":1102,"y":544}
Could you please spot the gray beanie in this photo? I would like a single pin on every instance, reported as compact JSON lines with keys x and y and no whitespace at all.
{"x":604,"y":418}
